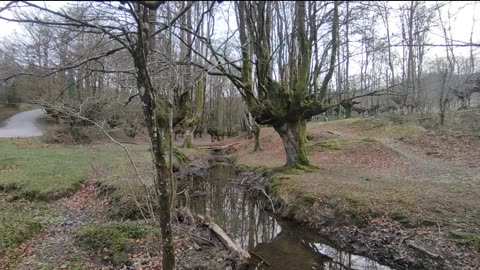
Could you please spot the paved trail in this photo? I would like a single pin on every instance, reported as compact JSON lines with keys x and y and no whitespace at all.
{"x":24,"y":124}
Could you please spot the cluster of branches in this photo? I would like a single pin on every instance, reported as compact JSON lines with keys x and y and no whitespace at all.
{"x":278,"y":63}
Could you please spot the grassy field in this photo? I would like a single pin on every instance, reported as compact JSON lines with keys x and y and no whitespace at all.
{"x":32,"y":174}
{"x":369,"y":168}
{"x":131,"y":194}
{"x":18,"y":222}
{"x":39,"y":171}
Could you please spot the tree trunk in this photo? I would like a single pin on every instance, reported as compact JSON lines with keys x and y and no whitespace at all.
{"x":348,"y":112}
{"x":294,"y":142}
{"x":256,"y":132}
{"x":161,"y":173}
{"x":188,"y":142}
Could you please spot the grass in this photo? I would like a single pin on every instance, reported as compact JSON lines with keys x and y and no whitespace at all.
{"x":6,"y":112}
{"x":17,"y":223}
{"x":472,"y":239}
{"x":41,"y":172}
{"x":330,"y":144}
{"x":126,"y":191}
{"x":378,"y":128}
{"x":464,"y":120}
{"x":115,"y":238}
{"x":123,"y":185}
{"x":38,"y":171}
{"x":357,"y":200}
{"x":359,"y":178}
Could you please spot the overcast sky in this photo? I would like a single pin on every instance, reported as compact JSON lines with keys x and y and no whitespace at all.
{"x":464,"y":12}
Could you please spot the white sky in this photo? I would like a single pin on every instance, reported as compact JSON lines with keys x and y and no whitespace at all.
{"x":461,"y":25}
{"x":8,"y":28}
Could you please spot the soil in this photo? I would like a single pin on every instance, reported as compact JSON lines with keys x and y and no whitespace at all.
{"x":394,"y":199}
{"x":54,"y":248}
{"x":58,"y":247}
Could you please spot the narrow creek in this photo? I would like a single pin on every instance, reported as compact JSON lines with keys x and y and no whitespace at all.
{"x":281,"y":243}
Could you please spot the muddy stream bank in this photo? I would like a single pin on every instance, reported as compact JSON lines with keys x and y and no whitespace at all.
{"x":235,"y":202}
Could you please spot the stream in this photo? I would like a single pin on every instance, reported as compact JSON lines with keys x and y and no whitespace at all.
{"x":283,"y":244}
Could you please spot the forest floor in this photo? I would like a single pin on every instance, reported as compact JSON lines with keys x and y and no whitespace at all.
{"x":400,"y":194}
{"x":75,"y":207}
{"x":383,"y":186}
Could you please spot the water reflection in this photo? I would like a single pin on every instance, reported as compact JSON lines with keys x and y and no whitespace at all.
{"x":282,"y":244}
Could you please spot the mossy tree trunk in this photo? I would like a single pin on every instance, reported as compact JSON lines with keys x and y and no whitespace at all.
{"x":196,"y":110}
{"x":286,"y":103}
{"x":155,"y":112}
{"x":256,"y":133}
{"x":188,"y":142}
{"x":294,"y":139}
{"x":348,"y":106}
{"x":348,"y":112}
{"x":196,"y":87}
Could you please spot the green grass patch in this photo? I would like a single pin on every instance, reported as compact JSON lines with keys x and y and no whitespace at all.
{"x":344,"y":121}
{"x":122,"y":184}
{"x":369,"y":140}
{"x":378,"y":128}
{"x":39,"y":171}
{"x":308,"y":198}
{"x":17,"y":224}
{"x":126,"y":190}
{"x":330,"y":144}
{"x":180,"y":156}
{"x":472,"y":239}
{"x":115,"y":238}
{"x":278,"y":182}
{"x":356,"y":198}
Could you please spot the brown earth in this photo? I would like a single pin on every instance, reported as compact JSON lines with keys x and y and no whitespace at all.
{"x":394,"y":192}
{"x":59,"y":247}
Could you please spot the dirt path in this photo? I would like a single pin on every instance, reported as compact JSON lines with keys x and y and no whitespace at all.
{"x":423,"y":166}
{"x":55,"y":248}
{"x":430,"y":164}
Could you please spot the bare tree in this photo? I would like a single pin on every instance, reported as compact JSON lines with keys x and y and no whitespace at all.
{"x":136,"y":35}
{"x":280,"y":88}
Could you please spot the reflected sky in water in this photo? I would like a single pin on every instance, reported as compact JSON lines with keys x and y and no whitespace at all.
{"x":284,"y":245}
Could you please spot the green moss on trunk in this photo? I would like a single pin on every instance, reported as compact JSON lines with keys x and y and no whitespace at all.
{"x":294,"y":140}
